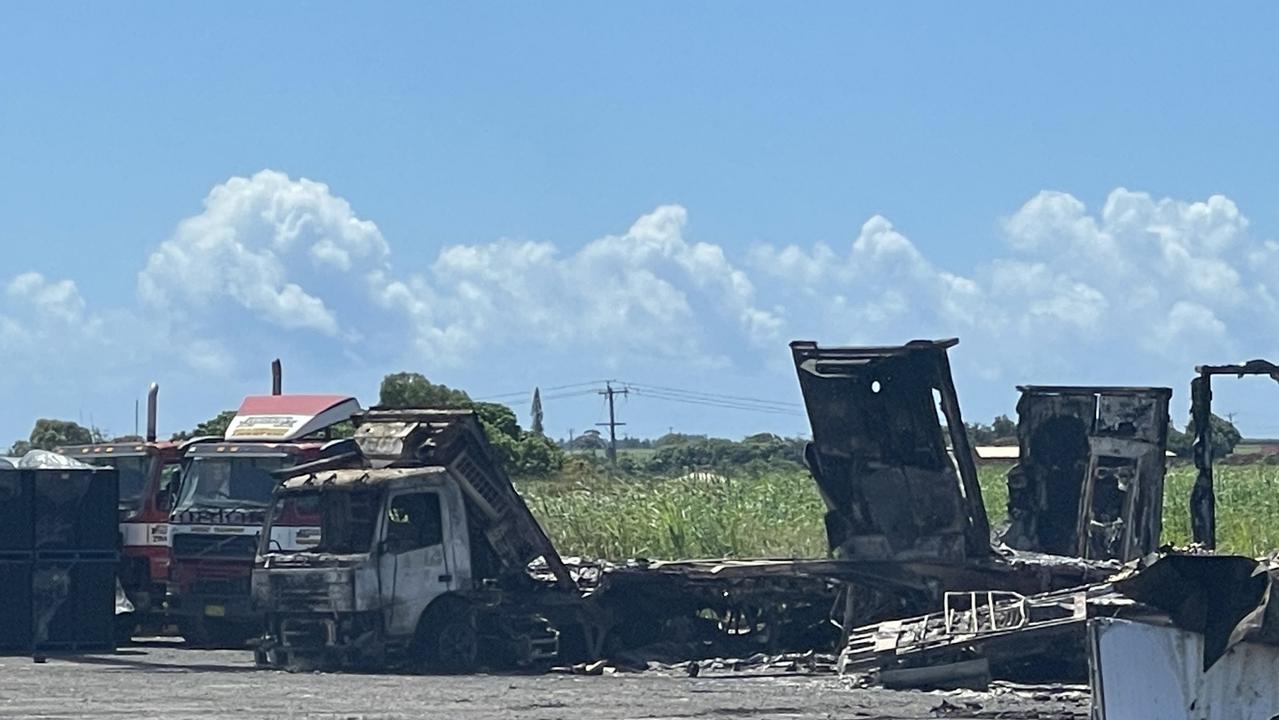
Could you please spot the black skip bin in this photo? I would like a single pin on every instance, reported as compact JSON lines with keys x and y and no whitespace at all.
{"x":16,"y":515}
{"x":59,"y":546}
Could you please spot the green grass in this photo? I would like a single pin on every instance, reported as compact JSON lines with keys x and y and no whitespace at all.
{"x":776,"y":514}
{"x":1247,"y":507}
{"x":779,"y":513}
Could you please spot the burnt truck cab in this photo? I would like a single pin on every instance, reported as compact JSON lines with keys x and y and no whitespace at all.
{"x":894,"y":490}
{"x":419,"y":548}
{"x":1089,"y":481}
{"x":390,"y":543}
{"x":220,"y":510}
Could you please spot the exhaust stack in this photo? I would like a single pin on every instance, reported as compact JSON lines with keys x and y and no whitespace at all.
{"x":152,"y":393}
{"x":277,"y":377}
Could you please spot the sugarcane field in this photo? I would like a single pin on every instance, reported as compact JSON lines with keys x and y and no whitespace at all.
{"x":601,"y":362}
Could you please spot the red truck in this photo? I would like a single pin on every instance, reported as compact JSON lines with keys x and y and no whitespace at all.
{"x":147,"y":470}
{"x":221,"y":505}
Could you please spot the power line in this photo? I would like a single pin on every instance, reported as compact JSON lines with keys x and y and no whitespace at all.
{"x":716,"y":396}
{"x":705,"y":402}
{"x":549,"y":389}
{"x":575,"y":393}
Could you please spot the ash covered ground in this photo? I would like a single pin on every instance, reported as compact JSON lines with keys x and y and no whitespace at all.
{"x":159,"y":680}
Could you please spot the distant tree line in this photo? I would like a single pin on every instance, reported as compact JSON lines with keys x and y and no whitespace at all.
{"x":528,"y":453}
{"x":676,"y":453}
{"x":1001,"y":431}
{"x":525,"y":453}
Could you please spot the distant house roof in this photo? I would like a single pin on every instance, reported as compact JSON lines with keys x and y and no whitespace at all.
{"x":998,"y":452}
{"x":1009,"y":452}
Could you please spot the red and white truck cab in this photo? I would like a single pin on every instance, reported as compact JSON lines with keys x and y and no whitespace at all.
{"x":148,"y":471}
{"x":222,"y":501}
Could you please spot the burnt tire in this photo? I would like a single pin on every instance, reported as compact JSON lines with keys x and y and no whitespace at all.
{"x":455,"y":646}
{"x":217,"y":634}
{"x":447,"y":639}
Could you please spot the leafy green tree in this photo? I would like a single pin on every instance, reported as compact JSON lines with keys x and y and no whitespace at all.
{"x":1004,"y":428}
{"x":49,"y":434}
{"x":344,"y":429}
{"x":589,"y":440}
{"x":412,"y":390}
{"x":1222,"y":435}
{"x":1003,"y":431}
{"x":216,"y":425}
{"x":536,"y":412}
{"x":19,"y":448}
{"x":724,"y":454}
{"x":676,"y":439}
{"x":523,"y":453}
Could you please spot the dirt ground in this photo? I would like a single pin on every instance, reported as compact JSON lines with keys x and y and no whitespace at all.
{"x":163,"y":681}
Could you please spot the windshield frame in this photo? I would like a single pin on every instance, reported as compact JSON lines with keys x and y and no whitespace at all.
{"x":328,"y":499}
{"x":189,"y":497}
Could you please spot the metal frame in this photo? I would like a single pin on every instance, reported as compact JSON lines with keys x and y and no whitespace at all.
{"x":1203,"y":499}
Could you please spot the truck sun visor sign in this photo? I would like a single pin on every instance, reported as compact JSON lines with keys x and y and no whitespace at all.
{"x":264,"y":427}
{"x":288,"y":417}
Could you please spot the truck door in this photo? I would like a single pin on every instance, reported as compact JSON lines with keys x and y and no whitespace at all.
{"x":413,"y":565}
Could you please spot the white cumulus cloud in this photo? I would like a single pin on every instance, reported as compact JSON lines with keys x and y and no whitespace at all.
{"x":266,"y":244}
{"x":1136,"y":290}
{"x":648,"y":290}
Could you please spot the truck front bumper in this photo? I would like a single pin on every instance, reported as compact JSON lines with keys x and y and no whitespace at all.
{"x":312,"y":641}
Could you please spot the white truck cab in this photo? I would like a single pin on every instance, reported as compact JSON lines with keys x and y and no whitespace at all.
{"x":412,"y":565}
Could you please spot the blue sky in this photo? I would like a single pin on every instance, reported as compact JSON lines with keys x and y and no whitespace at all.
{"x":507,"y":195}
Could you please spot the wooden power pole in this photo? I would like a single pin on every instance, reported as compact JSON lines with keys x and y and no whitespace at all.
{"x":612,"y":423}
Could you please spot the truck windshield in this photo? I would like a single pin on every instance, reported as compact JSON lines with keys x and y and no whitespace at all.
{"x":241,"y":481}
{"x":346,"y":518}
{"x":132,"y":471}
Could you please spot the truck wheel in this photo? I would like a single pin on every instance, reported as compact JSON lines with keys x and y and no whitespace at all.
{"x":455,"y":647}
{"x":195,"y":633}
{"x":217,"y":634}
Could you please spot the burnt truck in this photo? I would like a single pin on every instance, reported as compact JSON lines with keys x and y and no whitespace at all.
{"x":427,"y":557}
{"x":421,"y":557}
{"x":892,"y":461}
{"x":1089,"y":481}
{"x":147,"y":472}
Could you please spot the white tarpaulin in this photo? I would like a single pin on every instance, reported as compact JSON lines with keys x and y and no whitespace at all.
{"x":48,"y":460}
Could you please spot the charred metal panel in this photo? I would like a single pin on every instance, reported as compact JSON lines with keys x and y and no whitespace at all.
{"x":1203,"y":503}
{"x":879,"y":453}
{"x":1090,"y":477}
